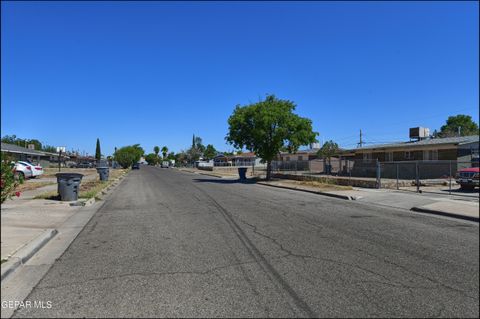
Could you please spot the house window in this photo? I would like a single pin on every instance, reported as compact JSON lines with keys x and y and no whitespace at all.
{"x":389,"y":157}
{"x":430,"y":155}
{"x":408,"y":155}
{"x":300,"y":158}
{"x":367,"y":157}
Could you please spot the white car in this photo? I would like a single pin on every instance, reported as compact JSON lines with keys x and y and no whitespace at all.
{"x":27,"y":169}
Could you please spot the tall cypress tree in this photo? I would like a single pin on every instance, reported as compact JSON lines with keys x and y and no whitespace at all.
{"x":98,"y":153}
{"x":193,"y":141}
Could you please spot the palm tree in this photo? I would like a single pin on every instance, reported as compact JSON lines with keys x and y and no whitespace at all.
{"x":164,"y":152}
{"x":156,"y":149}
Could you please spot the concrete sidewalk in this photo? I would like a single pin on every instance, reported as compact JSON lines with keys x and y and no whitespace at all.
{"x":24,"y":220}
{"x":27,"y":224}
{"x":446,"y":205}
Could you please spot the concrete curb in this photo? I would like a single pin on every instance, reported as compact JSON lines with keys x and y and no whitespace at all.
{"x":442,"y":213}
{"x":108,"y":190}
{"x":26,"y":252}
{"x":206,"y":174}
{"x":346,"y":197}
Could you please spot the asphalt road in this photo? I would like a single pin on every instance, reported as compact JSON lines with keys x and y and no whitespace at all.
{"x":173,"y":244}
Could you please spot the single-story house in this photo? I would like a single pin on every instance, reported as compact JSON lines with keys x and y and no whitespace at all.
{"x":431,"y":149}
{"x":246,"y":159}
{"x":435,"y":155}
{"x":301,"y":155}
{"x":19,"y":153}
{"x":243,"y":159}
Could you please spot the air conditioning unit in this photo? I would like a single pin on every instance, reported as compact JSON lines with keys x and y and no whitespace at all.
{"x":419,"y":132}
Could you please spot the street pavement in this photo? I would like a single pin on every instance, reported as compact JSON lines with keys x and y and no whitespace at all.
{"x":174,"y":244}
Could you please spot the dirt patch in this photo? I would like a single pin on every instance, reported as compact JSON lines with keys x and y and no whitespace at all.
{"x":89,"y":188}
{"x":26,"y":186}
{"x":50,"y":172}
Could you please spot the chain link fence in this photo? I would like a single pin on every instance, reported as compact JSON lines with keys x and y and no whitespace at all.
{"x":417,"y":176}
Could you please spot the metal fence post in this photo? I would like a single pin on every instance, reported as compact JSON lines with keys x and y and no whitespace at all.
{"x":417,"y":178}
{"x":450,"y":177}
{"x":378,"y":174}
{"x":397,"y":177}
{"x":350,"y":173}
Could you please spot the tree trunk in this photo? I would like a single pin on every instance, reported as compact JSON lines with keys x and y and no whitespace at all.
{"x":269,"y":170}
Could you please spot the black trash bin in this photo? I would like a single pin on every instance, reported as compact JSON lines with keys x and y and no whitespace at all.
{"x":242,"y":172}
{"x":102,"y":169}
{"x":68,"y":185}
{"x":328,"y":169}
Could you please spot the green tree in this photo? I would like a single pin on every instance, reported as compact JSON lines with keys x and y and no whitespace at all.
{"x":196,"y":151}
{"x":164,"y":152}
{"x":329,"y":149}
{"x":151,"y":158}
{"x":181,"y":158}
{"x":13,"y":139}
{"x":49,"y":148}
{"x":98,"y":153}
{"x":461,"y":122}
{"x":210,"y":152}
{"x":156,"y":149}
{"x":267,"y":126}
{"x":128,"y":155}
{"x":171,"y":156}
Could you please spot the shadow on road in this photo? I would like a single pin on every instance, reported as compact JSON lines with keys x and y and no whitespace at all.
{"x":225,"y":181}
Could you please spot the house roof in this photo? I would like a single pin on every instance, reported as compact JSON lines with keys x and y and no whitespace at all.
{"x":12,"y":148}
{"x":458,"y":140}
{"x":247,"y":154}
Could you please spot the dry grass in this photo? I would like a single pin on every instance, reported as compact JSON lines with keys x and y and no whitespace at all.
{"x":26,"y":186}
{"x":324,"y":186}
{"x":90,"y":188}
{"x":50,"y":172}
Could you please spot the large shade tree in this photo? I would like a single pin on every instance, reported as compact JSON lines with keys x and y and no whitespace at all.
{"x":128,"y":155}
{"x":268,"y":126}
{"x":210,"y":152}
{"x":462,"y":124}
{"x":328,"y":149}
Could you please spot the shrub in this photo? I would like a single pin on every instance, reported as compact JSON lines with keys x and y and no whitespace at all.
{"x":8,"y":182}
{"x":128,"y":155}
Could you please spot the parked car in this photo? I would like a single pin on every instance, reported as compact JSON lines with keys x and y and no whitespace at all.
{"x":71,"y":164}
{"x":27,"y":169}
{"x":165,"y":164}
{"x":468,"y":178}
{"x":135,"y":166}
{"x":85,"y":165}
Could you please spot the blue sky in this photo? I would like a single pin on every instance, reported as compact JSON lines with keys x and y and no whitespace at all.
{"x":155,"y":73}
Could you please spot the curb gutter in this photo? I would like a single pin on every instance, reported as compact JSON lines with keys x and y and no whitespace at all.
{"x":346,"y":197}
{"x":26,"y":252}
{"x":442,"y":213}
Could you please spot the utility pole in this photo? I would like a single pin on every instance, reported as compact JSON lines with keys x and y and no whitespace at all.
{"x":459,"y":131}
{"x":360,"y":144}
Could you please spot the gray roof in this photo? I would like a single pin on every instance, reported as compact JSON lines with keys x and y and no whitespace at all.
{"x":458,"y":140}
{"x":12,"y":148}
